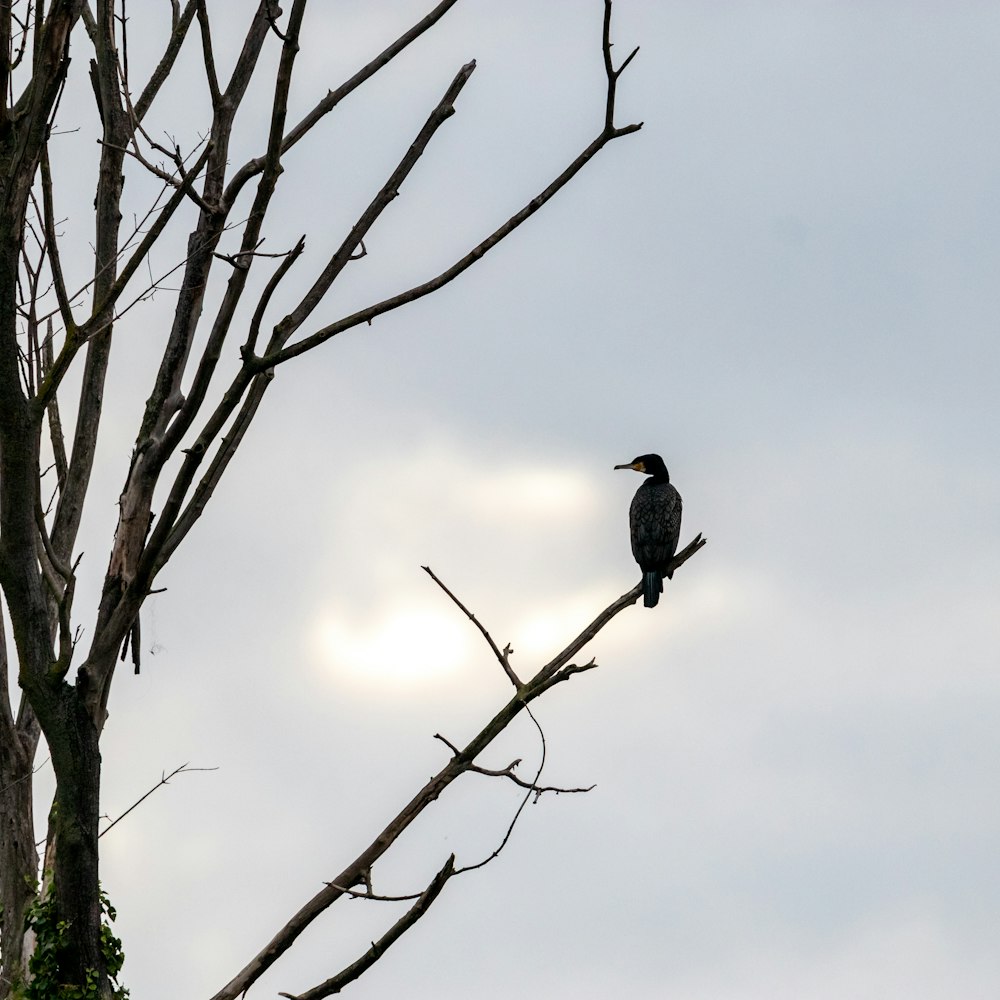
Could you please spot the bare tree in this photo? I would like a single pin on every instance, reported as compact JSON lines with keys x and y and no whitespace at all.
{"x":52,"y":926}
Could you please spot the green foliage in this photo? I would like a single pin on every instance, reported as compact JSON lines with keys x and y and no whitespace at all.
{"x":50,"y":937}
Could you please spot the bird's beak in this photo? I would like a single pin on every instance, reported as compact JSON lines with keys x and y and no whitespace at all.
{"x":628,"y":465}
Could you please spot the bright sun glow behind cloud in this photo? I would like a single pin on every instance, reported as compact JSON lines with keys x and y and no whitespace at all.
{"x":494,"y":532}
{"x":405,"y":647}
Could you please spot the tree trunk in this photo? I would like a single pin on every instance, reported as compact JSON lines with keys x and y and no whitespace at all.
{"x":76,"y":759}
{"x":18,"y":858}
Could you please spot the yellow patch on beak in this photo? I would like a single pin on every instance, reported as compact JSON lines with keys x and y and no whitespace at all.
{"x":639,"y":467}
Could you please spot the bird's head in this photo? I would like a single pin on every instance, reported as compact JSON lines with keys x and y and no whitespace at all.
{"x":649,"y":465}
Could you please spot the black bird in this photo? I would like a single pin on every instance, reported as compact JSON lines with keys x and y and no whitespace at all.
{"x":655,"y":520}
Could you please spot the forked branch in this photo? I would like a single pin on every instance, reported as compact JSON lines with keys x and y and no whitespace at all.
{"x":164,"y":780}
{"x":336,"y":983}
{"x":608,"y":133}
{"x":502,"y":657}
{"x":334,"y":97}
{"x":462,"y":761}
{"x":612,"y":73}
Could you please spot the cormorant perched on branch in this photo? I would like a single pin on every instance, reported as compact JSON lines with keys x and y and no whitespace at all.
{"x":655,"y":520}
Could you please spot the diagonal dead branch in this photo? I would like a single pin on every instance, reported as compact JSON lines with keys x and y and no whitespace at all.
{"x":52,"y":245}
{"x":246,"y":351}
{"x":608,"y":133}
{"x":167,"y":535}
{"x":56,"y":436}
{"x":236,"y":285}
{"x":334,"y":97}
{"x":336,"y":983}
{"x":390,"y":190}
{"x":208,"y":55}
{"x":502,"y":657}
{"x":164,"y":780}
{"x":178,"y":32}
{"x":369,"y":313}
{"x":547,"y":672}
{"x":460,"y":763}
{"x":103,"y":310}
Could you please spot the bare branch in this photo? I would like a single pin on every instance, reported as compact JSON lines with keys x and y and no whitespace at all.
{"x":334,"y":97}
{"x":52,"y":245}
{"x":564,"y":673}
{"x":105,"y":75}
{"x":180,"y":22}
{"x":548,"y":671}
{"x":390,"y":190}
{"x":612,"y":73}
{"x":165,"y":538}
{"x":462,"y":761}
{"x":508,"y":771}
{"x":186,"y":414}
{"x":373,"y":896}
{"x":242,"y":258}
{"x":272,"y":18}
{"x":247,"y":350}
{"x":477,"y":253}
{"x":379,"y":948}
{"x":533,"y":790}
{"x":164,"y":780}
{"x":175,"y":179}
{"x":536,"y":789}
{"x":357,"y":870}
{"x":161,"y":548}
{"x":208,"y":54}
{"x":502,"y":658}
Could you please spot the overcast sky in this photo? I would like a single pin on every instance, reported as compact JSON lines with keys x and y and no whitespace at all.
{"x":787,"y":285}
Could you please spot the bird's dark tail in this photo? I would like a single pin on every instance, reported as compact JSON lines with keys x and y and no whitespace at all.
{"x":652,"y":587}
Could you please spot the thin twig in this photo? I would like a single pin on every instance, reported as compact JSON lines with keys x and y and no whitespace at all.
{"x":508,"y":772}
{"x":165,"y":779}
{"x":247,"y":350}
{"x":517,"y":815}
{"x":536,"y":789}
{"x":336,"y":983}
{"x":501,"y":657}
